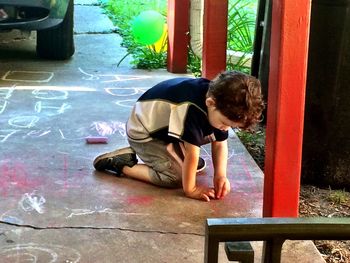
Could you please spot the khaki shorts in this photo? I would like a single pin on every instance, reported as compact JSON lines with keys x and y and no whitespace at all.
{"x":165,"y":161}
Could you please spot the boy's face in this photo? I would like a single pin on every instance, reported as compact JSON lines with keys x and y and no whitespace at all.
{"x":217,"y":119}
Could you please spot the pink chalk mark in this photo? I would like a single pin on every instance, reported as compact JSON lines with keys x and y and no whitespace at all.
{"x":139,"y":200}
{"x":65,"y":171}
{"x":15,"y":178}
{"x":248,"y":174}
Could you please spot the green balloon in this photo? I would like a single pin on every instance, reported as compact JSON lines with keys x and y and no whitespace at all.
{"x":147,"y":27}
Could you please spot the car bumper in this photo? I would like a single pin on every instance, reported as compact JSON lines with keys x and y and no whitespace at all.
{"x":43,"y":14}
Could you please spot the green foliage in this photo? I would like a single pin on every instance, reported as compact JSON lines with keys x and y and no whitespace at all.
{"x":248,"y":137}
{"x":148,"y":58}
{"x":241,"y":26}
{"x":121,"y":13}
{"x":240,"y":36}
{"x":194,"y":64}
{"x":338,"y":196}
{"x":254,"y":142}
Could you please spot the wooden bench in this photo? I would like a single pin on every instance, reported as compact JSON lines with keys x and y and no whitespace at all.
{"x":274,"y":231}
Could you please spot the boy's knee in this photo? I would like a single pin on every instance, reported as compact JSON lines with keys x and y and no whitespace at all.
{"x":167,"y":181}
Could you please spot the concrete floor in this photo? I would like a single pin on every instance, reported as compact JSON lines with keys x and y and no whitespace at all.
{"x":54,"y":207}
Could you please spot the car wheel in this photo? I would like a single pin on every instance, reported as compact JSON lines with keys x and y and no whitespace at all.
{"x":57,"y":42}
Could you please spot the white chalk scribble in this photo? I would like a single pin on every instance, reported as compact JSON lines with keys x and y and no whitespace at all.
{"x":32,"y":202}
{"x":108,"y":128}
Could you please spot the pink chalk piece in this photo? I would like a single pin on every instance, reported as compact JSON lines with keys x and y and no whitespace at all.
{"x":96,"y":139}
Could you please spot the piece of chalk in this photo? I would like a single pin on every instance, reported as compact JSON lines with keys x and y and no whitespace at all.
{"x":96,"y":139}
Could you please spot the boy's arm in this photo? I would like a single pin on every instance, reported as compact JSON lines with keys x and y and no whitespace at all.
{"x":219,"y":156}
{"x":189,"y":170}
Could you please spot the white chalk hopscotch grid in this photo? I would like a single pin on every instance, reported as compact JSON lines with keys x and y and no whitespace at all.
{"x":112,"y":77}
{"x":28,"y":76}
{"x":48,"y":97}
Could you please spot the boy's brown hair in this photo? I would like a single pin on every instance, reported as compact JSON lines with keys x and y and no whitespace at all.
{"x":238,"y":97}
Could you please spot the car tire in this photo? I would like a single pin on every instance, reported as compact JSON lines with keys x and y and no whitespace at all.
{"x":57,"y":42}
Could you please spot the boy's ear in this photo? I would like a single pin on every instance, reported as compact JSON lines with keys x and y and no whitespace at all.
{"x":210,"y":102}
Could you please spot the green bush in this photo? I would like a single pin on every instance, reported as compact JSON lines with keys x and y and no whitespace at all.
{"x":121,"y":14}
{"x":241,"y":26}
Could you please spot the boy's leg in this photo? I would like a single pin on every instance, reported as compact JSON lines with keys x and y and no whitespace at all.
{"x":164,"y":168}
{"x":163,"y":162}
{"x":162,"y":165}
{"x":139,"y":172}
{"x":116,"y":160}
{"x":120,"y":162}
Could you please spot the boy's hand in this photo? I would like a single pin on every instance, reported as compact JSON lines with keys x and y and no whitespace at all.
{"x":222,"y":186}
{"x":202,"y":193}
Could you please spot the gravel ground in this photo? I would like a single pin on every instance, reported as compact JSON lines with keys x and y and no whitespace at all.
{"x":314,"y":201}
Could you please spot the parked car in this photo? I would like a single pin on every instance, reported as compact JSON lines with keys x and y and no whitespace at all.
{"x":52,"y":19}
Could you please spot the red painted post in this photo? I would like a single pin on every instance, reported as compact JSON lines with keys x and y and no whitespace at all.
{"x":214,"y":37}
{"x":285,"y":115}
{"x":178,"y":37}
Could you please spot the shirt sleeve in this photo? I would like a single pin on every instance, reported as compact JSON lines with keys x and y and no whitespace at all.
{"x":197,"y":129}
{"x":220,"y":135}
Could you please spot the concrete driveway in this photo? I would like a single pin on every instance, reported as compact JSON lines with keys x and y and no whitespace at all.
{"x":54,"y":207}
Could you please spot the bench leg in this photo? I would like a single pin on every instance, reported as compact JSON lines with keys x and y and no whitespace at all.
{"x":272,"y":251}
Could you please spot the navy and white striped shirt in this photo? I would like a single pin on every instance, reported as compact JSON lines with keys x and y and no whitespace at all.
{"x":174,"y":109}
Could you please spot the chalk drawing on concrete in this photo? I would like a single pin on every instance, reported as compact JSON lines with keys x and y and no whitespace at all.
{"x":49,"y":109}
{"x":231,"y":154}
{"x":126,"y":103}
{"x":206,"y":155}
{"x":37,"y":253}
{"x":28,"y":76}
{"x":6,"y":133}
{"x":5,"y":95}
{"x":108,"y":128}
{"x":55,"y":88}
{"x":64,"y":135}
{"x":124,"y":91}
{"x":6,"y":92}
{"x":3,"y":104}
{"x":88,"y":76}
{"x":100,"y":210}
{"x":69,"y":183}
{"x":37,"y":133}
{"x":5,"y":217}
{"x":23,"y":121}
{"x":118,"y":78}
{"x":111,"y":77}
{"x":32,"y":202}
{"x":50,"y":94}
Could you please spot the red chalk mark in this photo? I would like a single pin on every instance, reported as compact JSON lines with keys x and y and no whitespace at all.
{"x":65,"y":171}
{"x":70,"y":178}
{"x":247,"y":173}
{"x":4,"y":179}
{"x":15,"y":178}
{"x":139,"y":200}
